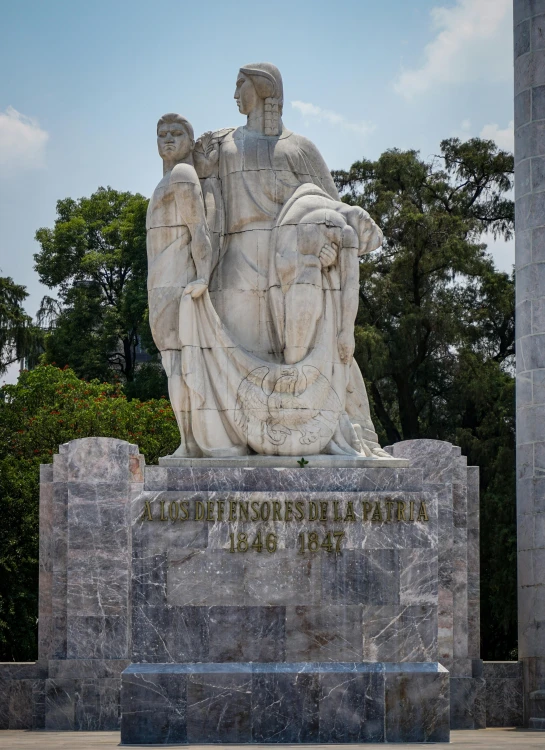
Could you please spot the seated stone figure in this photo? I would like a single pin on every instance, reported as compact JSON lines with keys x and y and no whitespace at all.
{"x":179,"y":258}
{"x":309,"y":224}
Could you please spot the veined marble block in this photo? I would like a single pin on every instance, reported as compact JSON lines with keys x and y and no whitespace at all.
{"x":295,"y":703}
{"x":181,"y":572}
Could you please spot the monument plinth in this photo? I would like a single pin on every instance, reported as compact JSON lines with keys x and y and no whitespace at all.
{"x":298,"y":604}
{"x":246,"y":593}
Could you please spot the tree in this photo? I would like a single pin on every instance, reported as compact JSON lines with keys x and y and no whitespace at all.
{"x":95,"y":257}
{"x":435,"y":331}
{"x":17,"y":333}
{"x":48,"y":407}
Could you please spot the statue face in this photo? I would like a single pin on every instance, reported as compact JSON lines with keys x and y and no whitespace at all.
{"x":173,"y":141}
{"x":245,"y":95}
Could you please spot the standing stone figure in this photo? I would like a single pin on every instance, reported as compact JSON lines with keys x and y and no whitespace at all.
{"x":267,"y":348}
{"x":179,"y":258}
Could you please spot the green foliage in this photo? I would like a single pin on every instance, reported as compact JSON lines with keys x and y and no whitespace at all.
{"x":435,"y":332}
{"x":47,"y":407}
{"x":95,"y":258}
{"x":17,"y":333}
{"x":150,"y":381}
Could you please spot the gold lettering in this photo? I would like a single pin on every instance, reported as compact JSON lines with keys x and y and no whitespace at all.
{"x":199,"y":510}
{"x":389,"y":505}
{"x":185,"y":510}
{"x":163,"y":517}
{"x":266,"y":506}
{"x":221,"y":507}
{"x":423,"y":513}
{"x":400,"y":510}
{"x":173,"y":511}
{"x":147,"y":511}
{"x":350,"y":515}
{"x":300,"y":510}
{"x":255,"y":510}
{"x":232,"y":510}
{"x":312,"y":511}
{"x":277,"y":511}
{"x":210,"y":511}
{"x":366,"y":510}
{"x":323,"y":510}
{"x":377,"y":513}
{"x":411,"y":510}
{"x":288,"y":513}
{"x":336,"y":515}
{"x":243,"y":510}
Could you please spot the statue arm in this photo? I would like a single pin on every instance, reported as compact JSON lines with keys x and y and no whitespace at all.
{"x":191,"y":207}
{"x":350,"y":287}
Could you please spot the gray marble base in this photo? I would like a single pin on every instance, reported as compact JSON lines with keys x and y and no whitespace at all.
{"x":22,"y":698}
{"x":284,"y":703}
{"x":504,"y":693}
{"x":367,"y":562}
{"x":467,"y":703}
{"x":320,"y":461}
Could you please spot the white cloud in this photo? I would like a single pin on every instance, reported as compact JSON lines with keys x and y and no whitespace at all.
{"x":504,"y":138}
{"x":472,"y":42}
{"x":22,"y":141}
{"x":466,"y":126}
{"x":312,"y":111}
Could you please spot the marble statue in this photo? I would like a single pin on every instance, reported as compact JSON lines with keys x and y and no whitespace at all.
{"x":179,"y":257}
{"x":253,"y":284}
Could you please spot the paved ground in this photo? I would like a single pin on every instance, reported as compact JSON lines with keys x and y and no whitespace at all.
{"x":487,"y":739}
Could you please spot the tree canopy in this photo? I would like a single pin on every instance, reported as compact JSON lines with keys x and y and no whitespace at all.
{"x":47,"y":407}
{"x":95,"y":259}
{"x":17,"y":332}
{"x":435,"y":331}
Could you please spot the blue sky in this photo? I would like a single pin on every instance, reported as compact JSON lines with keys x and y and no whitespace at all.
{"x":84,"y":83}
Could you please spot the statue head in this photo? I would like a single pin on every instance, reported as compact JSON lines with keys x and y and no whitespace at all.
{"x":175,"y":138}
{"x":261,"y":81}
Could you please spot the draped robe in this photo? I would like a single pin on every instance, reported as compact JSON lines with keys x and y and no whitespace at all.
{"x":243,"y":395}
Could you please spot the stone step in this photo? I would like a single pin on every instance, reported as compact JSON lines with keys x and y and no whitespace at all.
{"x":537,"y":704}
{"x":537,"y":724}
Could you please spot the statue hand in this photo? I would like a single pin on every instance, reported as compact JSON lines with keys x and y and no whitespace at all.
{"x":346,"y":345}
{"x":213,"y":155}
{"x":328,"y":254}
{"x":208,"y":146}
{"x":196,"y":288}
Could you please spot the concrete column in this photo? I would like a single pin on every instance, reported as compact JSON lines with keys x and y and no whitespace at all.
{"x":529,"y":27}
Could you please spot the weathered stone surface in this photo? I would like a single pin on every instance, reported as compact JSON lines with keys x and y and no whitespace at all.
{"x":530,"y":286}
{"x":417,"y":705}
{"x":284,"y":703}
{"x":194,"y":599}
{"x":504,"y":694}
{"x":241,"y":565}
{"x":257,"y":341}
{"x":219,"y":708}
{"x":153,"y":708}
{"x":467,"y":703}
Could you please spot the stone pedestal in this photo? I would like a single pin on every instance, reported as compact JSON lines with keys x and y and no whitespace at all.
{"x":284,"y":703}
{"x":289,"y":575}
{"x":85,"y":580}
{"x":340,"y":593}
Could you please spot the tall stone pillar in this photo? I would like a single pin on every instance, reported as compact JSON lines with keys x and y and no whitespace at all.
{"x":529,"y":27}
